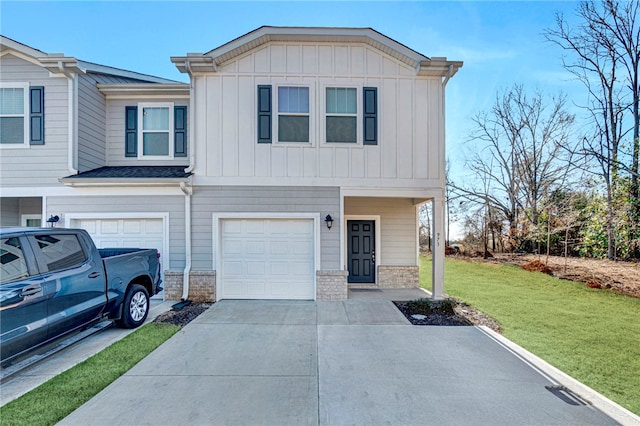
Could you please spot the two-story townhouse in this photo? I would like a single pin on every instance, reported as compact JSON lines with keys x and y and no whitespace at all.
{"x":312,"y":150}
{"x":64,"y":151}
{"x":293,"y":165}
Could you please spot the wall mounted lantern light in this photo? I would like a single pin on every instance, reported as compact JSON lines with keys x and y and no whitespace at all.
{"x":329,"y":221}
{"x":53,"y":220}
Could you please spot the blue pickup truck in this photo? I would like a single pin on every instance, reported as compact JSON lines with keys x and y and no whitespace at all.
{"x":55,"y":281}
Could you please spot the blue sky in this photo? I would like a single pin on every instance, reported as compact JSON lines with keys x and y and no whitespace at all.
{"x":501,"y":43}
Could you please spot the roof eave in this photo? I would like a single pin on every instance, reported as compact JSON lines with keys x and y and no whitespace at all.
{"x":439,"y":67}
{"x":208,"y":62}
{"x":85,"y":182}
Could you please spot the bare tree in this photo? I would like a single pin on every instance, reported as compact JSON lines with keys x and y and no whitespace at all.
{"x":519,"y":155}
{"x":596,"y":61}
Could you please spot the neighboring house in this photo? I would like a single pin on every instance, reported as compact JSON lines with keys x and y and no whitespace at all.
{"x":233,"y":176}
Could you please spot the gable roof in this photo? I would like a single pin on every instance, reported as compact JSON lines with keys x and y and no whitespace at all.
{"x":58,"y":63}
{"x":209,"y":61}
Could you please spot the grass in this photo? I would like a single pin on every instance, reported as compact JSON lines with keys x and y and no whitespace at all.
{"x":592,"y":335}
{"x":52,"y":401}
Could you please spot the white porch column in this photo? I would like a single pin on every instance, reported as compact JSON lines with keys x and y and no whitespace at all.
{"x":437,"y":249}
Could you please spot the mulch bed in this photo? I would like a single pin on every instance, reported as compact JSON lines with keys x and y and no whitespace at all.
{"x":454,"y":313}
{"x":183,"y":316}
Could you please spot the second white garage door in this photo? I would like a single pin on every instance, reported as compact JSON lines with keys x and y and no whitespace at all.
{"x":267,"y":259}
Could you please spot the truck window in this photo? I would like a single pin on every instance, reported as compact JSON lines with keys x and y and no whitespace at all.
{"x":61,"y":251}
{"x":12,"y":263}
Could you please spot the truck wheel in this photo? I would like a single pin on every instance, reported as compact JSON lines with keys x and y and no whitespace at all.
{"x":136,"y":307}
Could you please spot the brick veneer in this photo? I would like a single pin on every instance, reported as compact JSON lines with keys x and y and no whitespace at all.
{"x":202,"y":286}
{"x":398,"y":277}
{"x":331,"y":285}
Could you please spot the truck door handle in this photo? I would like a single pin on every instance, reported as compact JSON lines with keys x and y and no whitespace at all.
{"x":94,"y":275}
{"x":30,"y":291}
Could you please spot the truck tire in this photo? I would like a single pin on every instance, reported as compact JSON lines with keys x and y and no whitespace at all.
{"x":135,"y":307}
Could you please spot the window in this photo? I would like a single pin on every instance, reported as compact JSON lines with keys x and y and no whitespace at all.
{"x":342,"y":115}
{"x":155,"y":131}
{"x":293,"y":114}
{"x":12,"y":263}
{"x":61,"y":251}
{"x":14,"y":123}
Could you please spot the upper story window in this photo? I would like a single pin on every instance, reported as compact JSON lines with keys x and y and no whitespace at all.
{"x":350,"y":114}
{"x":21,"y":115}
{"x":293,"y":114}
{"x":156,"y":131}
{"x":342,"y":114}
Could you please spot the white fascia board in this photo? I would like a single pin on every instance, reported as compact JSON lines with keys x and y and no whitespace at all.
{"x":86,"y":191}
{"x":7,"y":43}
{"x":391,"y":192}
{"x":122,"y":182}
{"x":264,"y":35}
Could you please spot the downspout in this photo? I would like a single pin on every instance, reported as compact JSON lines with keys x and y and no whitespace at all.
{"x":192,"y":120}
{"x":448,"y":76}
{"x":71,"y":106}
{"x":188,"y":191}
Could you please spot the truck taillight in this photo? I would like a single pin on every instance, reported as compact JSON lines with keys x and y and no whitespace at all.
{"x":158,"y":255}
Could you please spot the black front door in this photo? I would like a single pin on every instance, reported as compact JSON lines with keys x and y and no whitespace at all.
{"x":361,"y":246}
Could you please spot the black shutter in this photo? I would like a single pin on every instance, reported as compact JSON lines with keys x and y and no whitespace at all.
{"x":131,"y":131}
{"x":36,"y":115}
{"x":370,"y":116}
{"x":264,"y":114}
{"x":180,"y":131}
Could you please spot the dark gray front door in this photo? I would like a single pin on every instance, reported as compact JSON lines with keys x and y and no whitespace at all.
{"x":361,"y":246}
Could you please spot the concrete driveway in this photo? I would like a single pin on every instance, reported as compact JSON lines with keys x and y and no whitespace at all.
{"x":357,"y":362}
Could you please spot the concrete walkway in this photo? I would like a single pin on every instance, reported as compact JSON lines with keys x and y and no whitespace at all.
{"x":338,"y":363}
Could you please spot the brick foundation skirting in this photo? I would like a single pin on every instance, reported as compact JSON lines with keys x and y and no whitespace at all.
{"x":398,"y":277}
{"x":202,"y":286}
{"x":331,"y":285}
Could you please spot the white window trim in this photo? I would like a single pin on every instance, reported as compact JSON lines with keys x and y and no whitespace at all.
{"x":24,"y":115}
{"x":311,"y":115}
{"x":25,"y":217}
{"x":358,"y":115}
{"x":141,"y":131}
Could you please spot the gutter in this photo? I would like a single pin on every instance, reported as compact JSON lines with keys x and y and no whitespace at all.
{"x":188,"y":191}
{"x":192,"y":121}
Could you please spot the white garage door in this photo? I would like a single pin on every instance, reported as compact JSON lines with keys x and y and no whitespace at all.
{"x":137,"y":233}
{"x":267,"y":259}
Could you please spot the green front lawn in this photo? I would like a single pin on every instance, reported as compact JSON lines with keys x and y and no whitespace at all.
{"x":54,"y":400}
{"x":592,"y":335}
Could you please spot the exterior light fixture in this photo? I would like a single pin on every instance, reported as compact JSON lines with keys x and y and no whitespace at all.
{"x":329,"y":221}
{"x":53,"y":220}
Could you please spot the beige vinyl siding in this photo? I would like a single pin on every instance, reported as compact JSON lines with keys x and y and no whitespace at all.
{"x":91,"y":125}
{"x":209,"y":200}
{"x":38,"y":165}
{"x":410,"y":127}
{"x":9,"y":211}
{"x":398,"y":227}
{"x":174,"y":205}
{"x":116,"y":134}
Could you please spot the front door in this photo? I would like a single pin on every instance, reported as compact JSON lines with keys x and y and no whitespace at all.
{"x":361,"y":255}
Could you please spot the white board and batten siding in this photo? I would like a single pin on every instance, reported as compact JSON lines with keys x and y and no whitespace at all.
{"x":38,"y":165}
{"x":409,"y":152}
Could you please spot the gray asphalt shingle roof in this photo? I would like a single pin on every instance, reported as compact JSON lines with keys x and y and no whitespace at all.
{"x":133,"y":172}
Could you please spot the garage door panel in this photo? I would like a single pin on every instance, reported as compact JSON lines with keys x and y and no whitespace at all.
{"x":277,"y":257}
